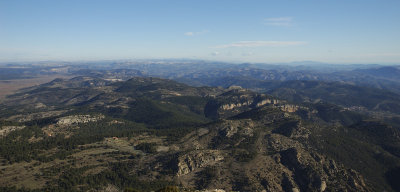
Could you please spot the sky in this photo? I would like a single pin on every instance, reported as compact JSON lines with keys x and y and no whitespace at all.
{"x":268,"y":31}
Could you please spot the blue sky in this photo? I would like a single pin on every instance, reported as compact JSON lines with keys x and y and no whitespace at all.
{"x":334,"y":31}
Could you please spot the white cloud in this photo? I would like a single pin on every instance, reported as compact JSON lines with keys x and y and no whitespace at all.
{"x":215,"y":53}
{"x":279,"y":21}
{"x":262,"y":44}
{"x":191,"y":33}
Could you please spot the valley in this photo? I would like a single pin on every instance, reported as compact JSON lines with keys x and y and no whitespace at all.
{"x":11,"y":86}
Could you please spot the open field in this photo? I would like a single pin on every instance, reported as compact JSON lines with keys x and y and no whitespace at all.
{"x":9,"y":87}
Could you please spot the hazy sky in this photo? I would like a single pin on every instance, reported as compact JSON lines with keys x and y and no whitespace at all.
{"x":335,"y":31}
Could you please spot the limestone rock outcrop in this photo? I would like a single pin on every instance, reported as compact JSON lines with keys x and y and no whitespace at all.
{"x":197,"y":159}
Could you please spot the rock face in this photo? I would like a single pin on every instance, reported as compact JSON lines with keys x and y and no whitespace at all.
{"x":75,"y":119}
{"x":289,"y":108}
{"x":110,"y":188}
{"x":263,"y":154}
{"x":236,"y":101}
{"x":313,"y":172}
{"x":68,"y":124}
{"x":229,"y":128}
{"x":253,"y":103}
{"x":197,"y":159}
{"x":267,"y":101}
{"x":5,"y":130}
